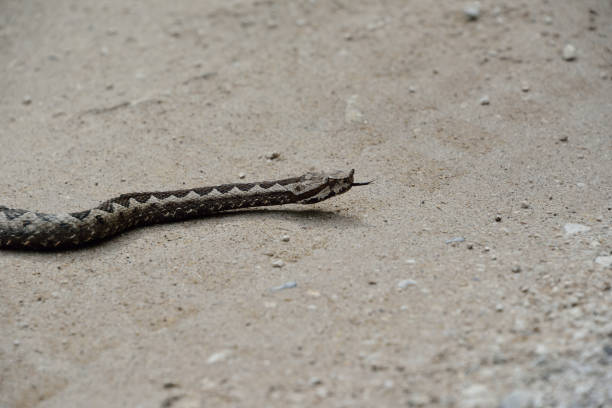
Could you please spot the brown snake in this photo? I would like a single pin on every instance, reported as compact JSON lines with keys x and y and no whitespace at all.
{"x":23,"y":229}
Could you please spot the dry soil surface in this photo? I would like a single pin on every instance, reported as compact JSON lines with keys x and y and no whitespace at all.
{"x":457,"y":279}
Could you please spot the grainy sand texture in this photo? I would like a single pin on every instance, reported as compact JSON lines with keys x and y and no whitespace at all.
{"x":473,"y":273}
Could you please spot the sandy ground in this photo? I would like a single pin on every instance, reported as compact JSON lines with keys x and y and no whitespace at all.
{"x":104,"y":97}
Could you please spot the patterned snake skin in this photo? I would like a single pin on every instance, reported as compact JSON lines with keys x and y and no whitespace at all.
{"x":23,"y":229}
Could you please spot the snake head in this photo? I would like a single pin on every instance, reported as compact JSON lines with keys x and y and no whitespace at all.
{"x":314,"y":187}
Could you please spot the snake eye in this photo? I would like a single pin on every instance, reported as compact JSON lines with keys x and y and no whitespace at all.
{"x":298,"y":188}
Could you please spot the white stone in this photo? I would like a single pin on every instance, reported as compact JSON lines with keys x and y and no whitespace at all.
{"x":571,"y":229}
{"x":569,"y":52}
{"x":477,"y":396}
{"x":484,"y":100}
{"x":219,"y":356}
{"x":351,"y":113}
{"x":405,"y":283}
{"x":472,"y":11}
{"x":517,"y":399}
{"x":605,"y":261}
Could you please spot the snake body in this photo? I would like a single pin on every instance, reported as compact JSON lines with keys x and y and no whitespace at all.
{"x":23,"y":229}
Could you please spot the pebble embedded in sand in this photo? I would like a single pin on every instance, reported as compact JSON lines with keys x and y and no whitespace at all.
{"x":571,"y":229}
{"x":278,"y":263}
{"x":219,"y":356}
{"x":605,"y":261}
{"x":472,"y":11}
{"x":351,"y":113}
{"x":517,"y":399}
{"x":286,"y":285}
{"x":403,"y":284}
{"x":484,"y":100}
{"x":569,"y":52}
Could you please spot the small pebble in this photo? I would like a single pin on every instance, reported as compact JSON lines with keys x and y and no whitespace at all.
{"x":569,"y":52}
{"x":499,"y":307}
{"x":352,"y":114}
{"x":547,"y":20}
{"x":484,"y":100}
{"x":516,"y":269}
{"x":241,"y":175}
{"x":278,"y":263}
{"x":563,"y":139}
{"x":411,"y":89}
{"x":472,"y":11}
{"x":477,"y":396}
{"x":517,"y":399}
{"x":315,"y":381}
{"x":524,"y":204}
{"x":405,"y":283}
{"x":525,"y":87}
{"x":605,"y":261}
{"x":273,"y":155}
{"x":571,"y":229}
{"x":454,"y":240}
{"x":313,"y":293}
{"x":27,"y":100}
{"x":16,"y":343}
{"x":498,"y":218}
{"x":286,"y":285}
{"x":285,"y":238}
{"x":219,"y":356}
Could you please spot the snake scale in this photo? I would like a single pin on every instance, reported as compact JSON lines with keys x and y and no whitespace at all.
{"x":23,"y":229}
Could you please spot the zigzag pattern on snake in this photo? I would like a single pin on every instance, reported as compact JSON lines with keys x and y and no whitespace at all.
{"x":23,"y":229}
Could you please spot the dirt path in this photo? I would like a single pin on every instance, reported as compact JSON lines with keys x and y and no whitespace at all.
{"x":458,"y":279}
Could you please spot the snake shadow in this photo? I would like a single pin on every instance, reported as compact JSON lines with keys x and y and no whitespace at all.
{"x":312,"y":217}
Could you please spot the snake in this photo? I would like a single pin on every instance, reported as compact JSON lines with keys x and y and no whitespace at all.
{"x":24,"y":229}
